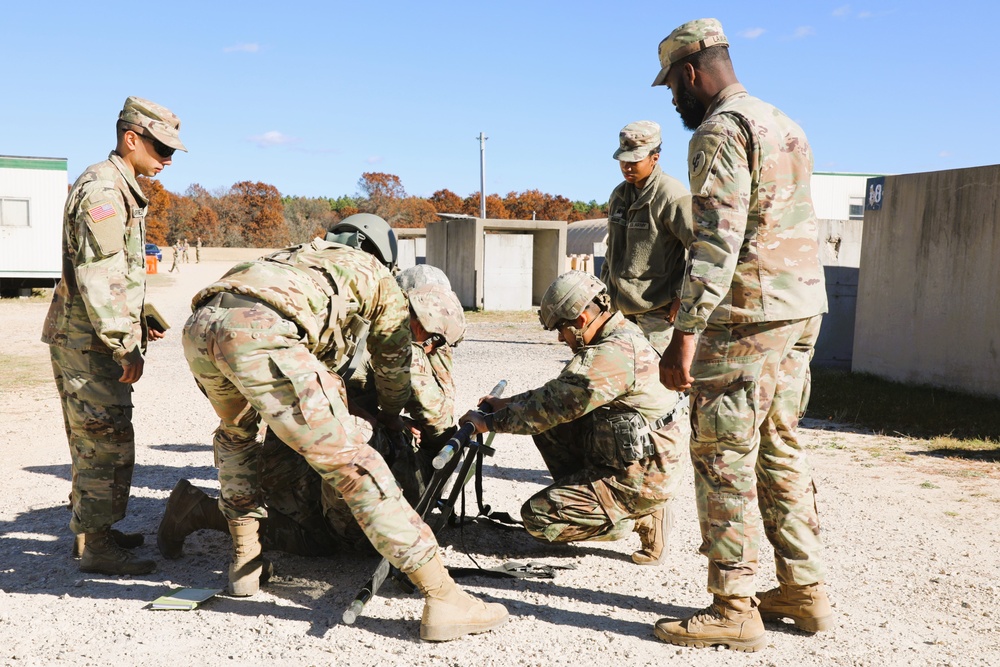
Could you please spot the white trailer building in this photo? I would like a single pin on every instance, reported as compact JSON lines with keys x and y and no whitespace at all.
{"x":32,"y":195}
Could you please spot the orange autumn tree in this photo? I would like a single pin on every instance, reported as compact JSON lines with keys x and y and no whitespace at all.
{"x":157,"y":216}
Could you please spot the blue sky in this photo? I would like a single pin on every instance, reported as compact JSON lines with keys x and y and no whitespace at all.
{"x":307,"y":95}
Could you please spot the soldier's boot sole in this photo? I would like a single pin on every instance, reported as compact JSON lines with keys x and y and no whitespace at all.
{"x":810,"y":624}
{"x":751,"y":645}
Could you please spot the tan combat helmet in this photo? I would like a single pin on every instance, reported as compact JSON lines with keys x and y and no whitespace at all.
{"x":567,"y":296}
{"x":439,"y":312}
{"x":420,"y":275}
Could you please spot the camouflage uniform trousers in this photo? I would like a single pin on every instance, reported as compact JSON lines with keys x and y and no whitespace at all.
{"x":752,"y":386}
{"x":592,"y":502}
{"x":325,"y":524}
{"x":97,"y":415}
{"x":252,"y":364}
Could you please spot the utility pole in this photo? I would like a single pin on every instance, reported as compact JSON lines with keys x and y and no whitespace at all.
{"x":482,"y":174}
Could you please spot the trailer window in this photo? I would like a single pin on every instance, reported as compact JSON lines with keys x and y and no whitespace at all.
{"x":14,"y":212}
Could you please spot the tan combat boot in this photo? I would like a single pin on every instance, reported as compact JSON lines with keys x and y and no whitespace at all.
{"x":450,"y":612}
{"x":807,"y":606}
{"x":731,"y":622}
{"x":247,"y":567}
{"x":124,"y":540}
{"x":102,"y":555}
{"x":653,"y":530}
{"x":188,"y":509}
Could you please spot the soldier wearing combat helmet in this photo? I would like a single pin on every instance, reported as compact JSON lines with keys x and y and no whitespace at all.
{"x":610,"y":434}
{"x":261,"y":344}
{"x":752,"y":300}
{"x":97,"y":335}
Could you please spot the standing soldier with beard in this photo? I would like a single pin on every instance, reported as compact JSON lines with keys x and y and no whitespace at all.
{"x":751,"y":305}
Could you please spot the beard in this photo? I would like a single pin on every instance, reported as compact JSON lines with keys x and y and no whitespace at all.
{"x":691,"y":111}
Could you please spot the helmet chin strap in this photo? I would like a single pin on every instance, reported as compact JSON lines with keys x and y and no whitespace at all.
{"x":579,"y":335}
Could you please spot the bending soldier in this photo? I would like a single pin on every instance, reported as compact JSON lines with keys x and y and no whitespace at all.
{"x":260,"y":344}
{"x":610,"y":434}
{"x":309,"y":518}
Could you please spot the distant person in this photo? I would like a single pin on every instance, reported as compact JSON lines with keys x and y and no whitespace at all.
{"x":649,"y":227}
{"x":611,"y":435}
{"x":197,"y":251}
{"x":176,"y":249}
{"x":184,"y":251}
{"x":752,"y":301}
{"x":97,"y":335}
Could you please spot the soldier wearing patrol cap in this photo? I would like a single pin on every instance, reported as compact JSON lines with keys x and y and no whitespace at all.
{"x":649,"y":227}
{"x":610,"y":434}
{"x":96,"y":332}
{"x":751,"y":304}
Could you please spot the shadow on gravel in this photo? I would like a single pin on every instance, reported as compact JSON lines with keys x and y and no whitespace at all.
{"x":185,"y":448}
{"x":143,"y":476}
{"x":985,"y":455}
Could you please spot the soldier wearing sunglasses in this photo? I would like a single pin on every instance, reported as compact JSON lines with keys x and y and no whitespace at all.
{"x":97,"y":335}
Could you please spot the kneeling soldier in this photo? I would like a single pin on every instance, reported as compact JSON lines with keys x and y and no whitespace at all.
{"x":610,"y":434}
{"x":260,"y":344}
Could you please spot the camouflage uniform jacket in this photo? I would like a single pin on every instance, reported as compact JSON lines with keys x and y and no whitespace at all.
{"x":326,"y":289}
{"x":648,"y":231}
{"x":432,"y":404}
{"x":756,"y":256}
{"x":619,"y":369}
{"x":98,"y":303}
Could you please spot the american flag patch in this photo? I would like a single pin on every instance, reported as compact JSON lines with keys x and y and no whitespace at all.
{"x":102,"y":212}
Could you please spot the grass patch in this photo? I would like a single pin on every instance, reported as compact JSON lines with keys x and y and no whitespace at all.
{"x":929,"y":485}
{"x":952,"y":423}
{"x":22,"y":372}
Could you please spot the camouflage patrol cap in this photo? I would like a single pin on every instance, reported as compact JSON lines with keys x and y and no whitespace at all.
{"x":158,"y":121}
{"x":439,"y":311}
{"x":637,"y":140}
{"x":689,"y":38}
{"x":420,"y":275}
{"x":567,"y":296}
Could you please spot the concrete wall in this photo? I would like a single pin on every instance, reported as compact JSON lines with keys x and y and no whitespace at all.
{"x":840,"y":252}
{"x":928,"y":300}
{"x":456,"y":246}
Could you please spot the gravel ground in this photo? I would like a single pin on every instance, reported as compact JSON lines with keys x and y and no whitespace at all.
{"x":911,"y":541}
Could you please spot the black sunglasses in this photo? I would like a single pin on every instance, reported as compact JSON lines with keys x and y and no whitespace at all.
{"x":161,"y":148}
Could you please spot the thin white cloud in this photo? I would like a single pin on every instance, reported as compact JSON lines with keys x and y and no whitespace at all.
{"x":803,"y":31}
{"x":374,"y":159}
{"x":249,"y":47}
{"x":843,"y":10}
{"x":865,"y":15}
{"x":945,"y":154}
{"x":752,"y":33}
{"x":272,"y":138}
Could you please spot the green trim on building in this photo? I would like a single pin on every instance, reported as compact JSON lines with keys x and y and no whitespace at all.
{"x":44,"y":163}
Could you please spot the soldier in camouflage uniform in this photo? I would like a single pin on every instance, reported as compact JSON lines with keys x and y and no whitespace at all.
{"x":96,"y":332}
{"x":610,"y":434}
{"x":752,"y":298}
{"x":309,"y":518}
{"x":649,"y":227}
{"x":260,"y":344}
